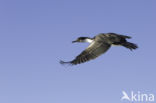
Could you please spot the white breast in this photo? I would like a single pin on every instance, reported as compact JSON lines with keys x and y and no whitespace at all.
{"x":91,"y":44}
{"x":89,"y":40}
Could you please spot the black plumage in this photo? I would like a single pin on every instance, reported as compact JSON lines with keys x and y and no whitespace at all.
{"x":99,"y":45}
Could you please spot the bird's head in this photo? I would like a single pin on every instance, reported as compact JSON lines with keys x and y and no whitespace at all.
{"x":81,"y":39}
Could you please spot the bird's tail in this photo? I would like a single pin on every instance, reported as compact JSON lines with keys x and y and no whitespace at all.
{"x":129,"y":45}
{"x":125,"y":36}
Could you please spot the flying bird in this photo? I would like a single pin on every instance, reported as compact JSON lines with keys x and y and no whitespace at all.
{"x":99,"y":45}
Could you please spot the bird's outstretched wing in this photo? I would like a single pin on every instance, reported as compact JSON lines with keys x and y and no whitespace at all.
{"x":94,"y":50}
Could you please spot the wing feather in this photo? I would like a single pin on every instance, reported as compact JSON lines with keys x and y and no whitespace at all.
{"x":94,"y":50}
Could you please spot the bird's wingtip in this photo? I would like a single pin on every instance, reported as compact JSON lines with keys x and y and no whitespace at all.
{"x":63,"y":62}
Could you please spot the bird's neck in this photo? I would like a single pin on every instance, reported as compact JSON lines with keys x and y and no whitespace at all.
{"x":89,"y":40}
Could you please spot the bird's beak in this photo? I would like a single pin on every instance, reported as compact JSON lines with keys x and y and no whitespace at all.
{"x":74,"y":41}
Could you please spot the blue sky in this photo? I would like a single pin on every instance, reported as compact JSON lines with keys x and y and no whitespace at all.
{"x":36,"y":34}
